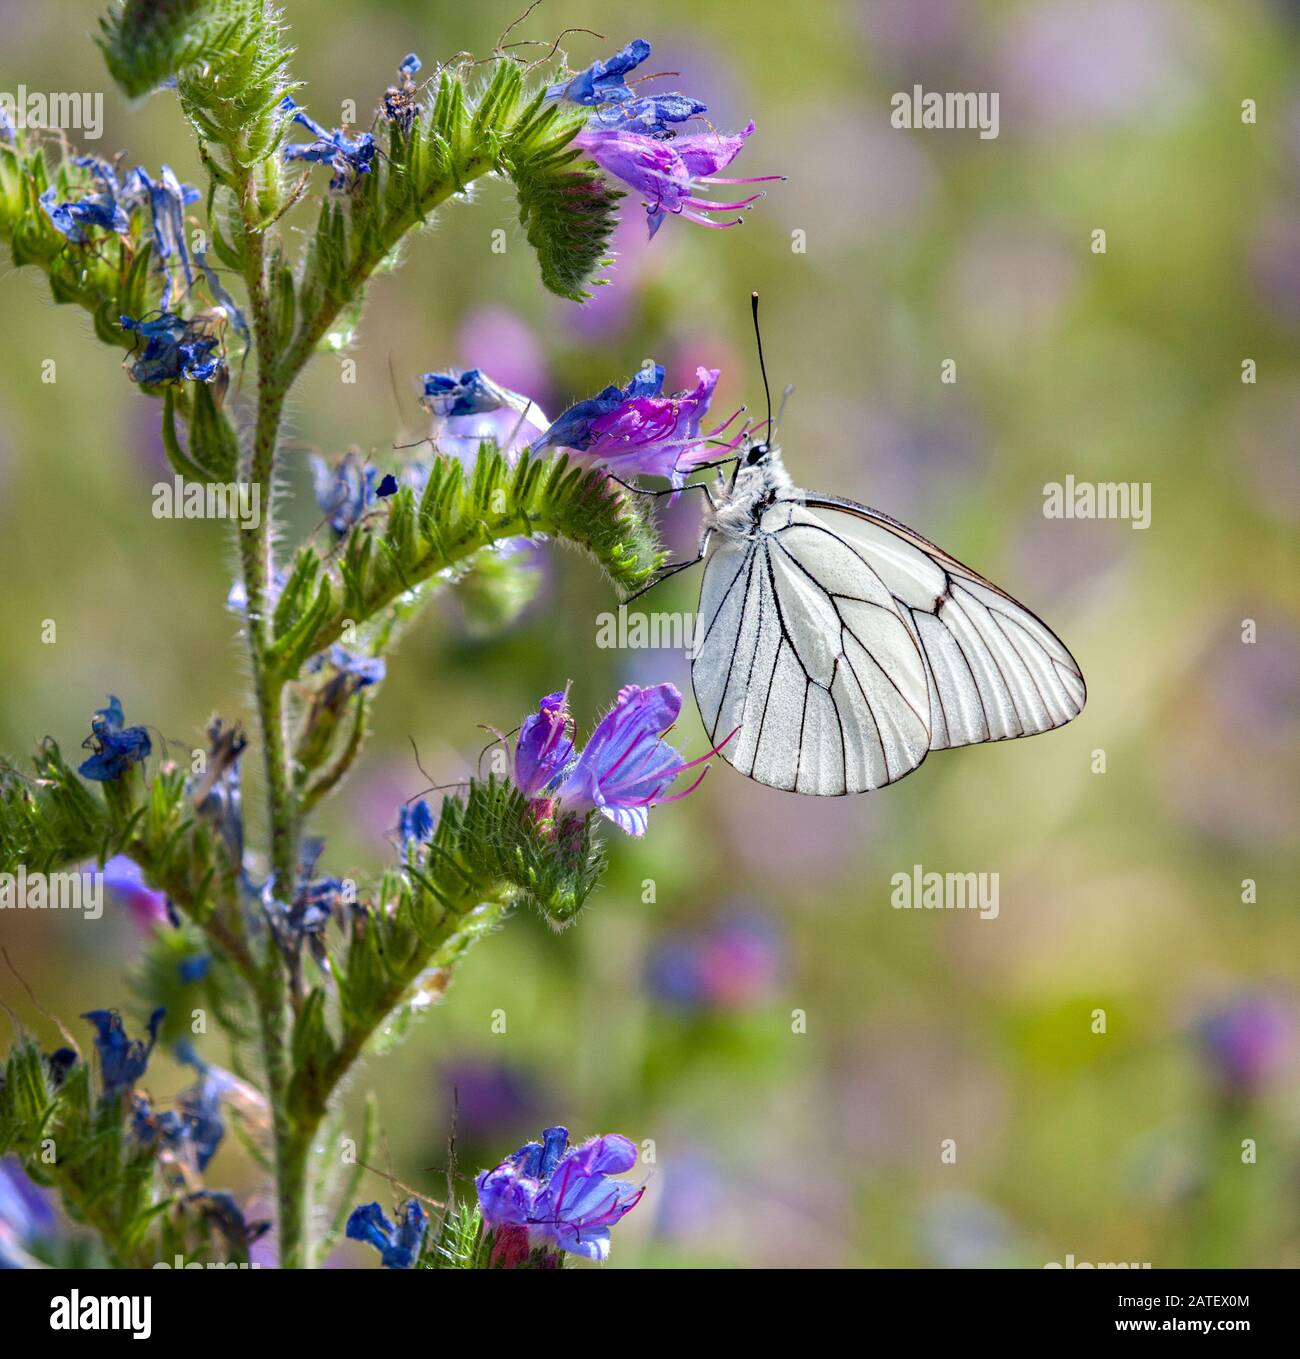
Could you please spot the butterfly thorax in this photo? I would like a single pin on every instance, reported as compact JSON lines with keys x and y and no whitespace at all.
{"x":739,"y":505}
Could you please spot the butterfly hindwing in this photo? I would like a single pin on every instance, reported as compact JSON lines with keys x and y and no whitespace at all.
{"x":995,"y":670}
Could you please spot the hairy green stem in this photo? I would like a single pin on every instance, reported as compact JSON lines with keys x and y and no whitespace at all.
{"x":256,"y":547}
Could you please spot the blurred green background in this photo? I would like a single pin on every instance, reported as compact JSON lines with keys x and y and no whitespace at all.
{"x":673,"y":1020}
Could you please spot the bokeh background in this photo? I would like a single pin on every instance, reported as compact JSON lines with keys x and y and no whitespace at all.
{"x":674,"y":1020}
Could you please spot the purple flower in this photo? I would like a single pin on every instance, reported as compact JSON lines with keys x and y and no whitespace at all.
{"x":1247,"y":1043}
{"x":468,"y":408}
{"x":668,"y":173}
{"x":489,"y":1096}
{"x":543,"y":748}
{"x":26,"y":1215}
{"x":350,"y":157}
{"x":626,"y":766}
{"x":636,"y":430}
{"x":122,"y":1060}
{"x":729,"y":966}
{"x":116,"y":746}
{"x":399,"y":1246}
{"x":547,"y":1195}
{"x":603,"y":88}
{"x":122,"y":877}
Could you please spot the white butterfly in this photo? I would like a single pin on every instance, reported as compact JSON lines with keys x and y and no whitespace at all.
{"x":841,"y":647}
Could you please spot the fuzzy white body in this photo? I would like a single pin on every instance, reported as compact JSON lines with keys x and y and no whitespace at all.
{"x":734,"y":513}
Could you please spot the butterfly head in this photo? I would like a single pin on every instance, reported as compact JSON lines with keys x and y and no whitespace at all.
{"x":758,"y":453}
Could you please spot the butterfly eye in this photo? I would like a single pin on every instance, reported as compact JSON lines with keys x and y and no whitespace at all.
{"x":755,"y":455}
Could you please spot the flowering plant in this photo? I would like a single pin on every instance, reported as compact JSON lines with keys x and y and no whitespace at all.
{"x":218,"y":318}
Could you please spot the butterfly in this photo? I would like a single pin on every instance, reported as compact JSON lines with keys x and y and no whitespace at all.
{"x":837,"y":648}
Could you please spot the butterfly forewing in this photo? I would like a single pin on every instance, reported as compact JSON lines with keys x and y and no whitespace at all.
{"x":994,"y":670}
{"x":804,"y":650}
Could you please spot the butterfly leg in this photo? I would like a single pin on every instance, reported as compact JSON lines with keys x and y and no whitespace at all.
{"x":668,"y":490}
{"x":666,"y":571}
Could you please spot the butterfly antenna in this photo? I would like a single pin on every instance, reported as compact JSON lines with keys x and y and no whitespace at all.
{"x":762,"y":367}
{"x":780,"y":410}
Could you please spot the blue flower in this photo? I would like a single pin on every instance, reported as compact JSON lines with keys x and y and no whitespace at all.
{"x":603,"y":88}
{"x":106,"y":207}
{"x":1248,"y":1043}
{"x":122,"y":1060}
{"x":175,"y":350}
{"x":399,"y":1246}
{"x":603,"y":81}
{"x":117,"y":747}
{"x":627,"y":766}
{"x":166,"y":199}
{"x":306,"y":916}
{"x":414,"y":823}
{"x":468,"y":409}
{"x":574,"y":429}
{"x":72,"y":219}
{"x":59,"y":1063}
{"x":347,"y":490}
{"x":350,"y":157}
{"x":543,"y":748}
{"x":196,"y":968}
{"x":546,"y":1194}
{"x":351,"y":674}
